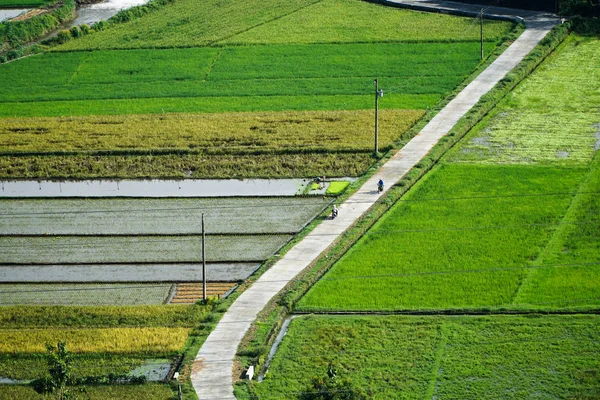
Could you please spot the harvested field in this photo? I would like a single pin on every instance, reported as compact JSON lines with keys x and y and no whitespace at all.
{"x":189,"y":293}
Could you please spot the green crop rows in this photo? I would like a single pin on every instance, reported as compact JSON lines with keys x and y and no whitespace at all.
{"x":188,"y":23}
{"x":233,"y":78}
{"x":442,"y":357}
{"x":464,"y":237}
{"x":551,"y":118}
{"x":112,"y":85}
{"x":489,"y":235}
{"x":23,"y":3}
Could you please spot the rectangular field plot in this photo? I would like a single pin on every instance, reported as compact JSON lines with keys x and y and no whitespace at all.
{"x":336,"y":21}
{"x":575,"y":249}
{"x":550,"y":118}
{"x":188,"y":23}
{"x":136,"y":249}
{"x":210,"y":135}
{"x":157,"y":216}
{"x":154,"y":272}
{"x":34,"y":366}
{"x":442,"y":357}
{"x":464,"y":237}
{"x":84,"y":295}
{"x":414,"y":74}
{"x":152,"y":340}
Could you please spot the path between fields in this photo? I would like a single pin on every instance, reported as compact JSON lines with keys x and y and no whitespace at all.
{"x":212,"y":369}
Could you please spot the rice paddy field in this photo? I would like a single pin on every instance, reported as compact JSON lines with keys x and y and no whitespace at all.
{"x":84,"y":294}
{"x":507,"y":223}
{"x":141,"y":240}
{"x":498,"y":230}
{"x":102,"y":340}
{"x":467,"y":357}
{"x":221,"y":90}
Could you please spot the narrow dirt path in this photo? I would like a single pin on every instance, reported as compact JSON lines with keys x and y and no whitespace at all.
{"x":212,"y":371}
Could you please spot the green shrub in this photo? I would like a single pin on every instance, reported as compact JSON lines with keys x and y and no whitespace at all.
{"x":15,"y":53}
{"x":576,"y":7}
{"x":75,"y":32}
{"x":100,"y":25}
{"x":85,"y":29}
{"x":64,"y":36}
{"x":14,"y":34}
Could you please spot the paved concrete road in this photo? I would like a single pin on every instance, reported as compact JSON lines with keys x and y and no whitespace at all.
{"x":212,"y":371}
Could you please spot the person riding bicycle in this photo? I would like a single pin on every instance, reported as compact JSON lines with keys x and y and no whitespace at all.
{"x":380,"y":186}
{"x":334,"y":212}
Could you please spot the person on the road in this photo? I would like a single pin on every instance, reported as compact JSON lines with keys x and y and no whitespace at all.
{"x":380,"y":186}
{"x":334,"y":212}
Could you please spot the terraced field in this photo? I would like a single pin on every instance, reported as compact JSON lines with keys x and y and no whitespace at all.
{"x":224,"y":91}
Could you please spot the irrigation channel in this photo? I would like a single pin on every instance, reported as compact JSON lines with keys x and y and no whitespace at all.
{"x":11,"y":13}
{"x":93,"y":234}
{"x":90,"y":13}
{"x":158,"y":188}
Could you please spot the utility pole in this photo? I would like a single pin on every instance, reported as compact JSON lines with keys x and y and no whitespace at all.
{"x":481,"y":32}
{"x":378,"y":94}
{"x":203,"y":262}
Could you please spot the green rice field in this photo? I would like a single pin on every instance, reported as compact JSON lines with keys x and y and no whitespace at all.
{"x":248,"y":78}
{"x":496,"y":231}
{"x":550,"y":118}
{"x":23,"y":3}
{"x":465,"y":236}
{"x":181,"y":91}
{"x":463,"y":357}
{"x":190,"y":24}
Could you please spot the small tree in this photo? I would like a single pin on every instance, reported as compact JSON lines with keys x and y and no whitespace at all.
{"x":59,"y":368}
{"x":333,"y":387}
